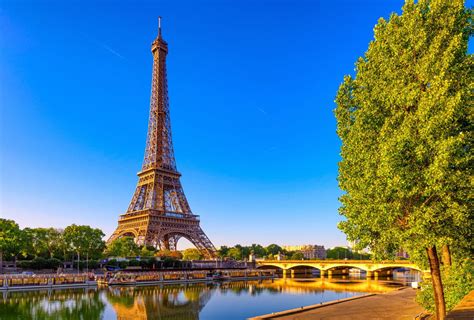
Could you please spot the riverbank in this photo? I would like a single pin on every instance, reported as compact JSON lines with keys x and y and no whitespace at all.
{"x":398,"y":304}
{"x":70,"y":281}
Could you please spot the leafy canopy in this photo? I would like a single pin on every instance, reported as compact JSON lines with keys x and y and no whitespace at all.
{"x":406,"y":133}
{"x":122,"y":247}
{"x":192,"y":254}
{"x":84,"y":240}
{"x":12,"y":238}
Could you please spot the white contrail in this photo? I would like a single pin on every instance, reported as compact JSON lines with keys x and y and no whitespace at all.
{"x":106,"y":47}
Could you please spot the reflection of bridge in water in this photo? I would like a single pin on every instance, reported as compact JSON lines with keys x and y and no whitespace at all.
{"x":159,"y":302}
{"x":328,"y":266}
{"x":310,"y":285}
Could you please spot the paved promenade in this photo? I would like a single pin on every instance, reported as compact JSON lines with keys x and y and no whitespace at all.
{"x":398,"y":304}
{"x":464,"y":310}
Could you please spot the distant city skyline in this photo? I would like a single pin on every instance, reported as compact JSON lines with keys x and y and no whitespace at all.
{"x":251,"y":89}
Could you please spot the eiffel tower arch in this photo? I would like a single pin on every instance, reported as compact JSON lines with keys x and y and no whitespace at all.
{"x":159,"y":213}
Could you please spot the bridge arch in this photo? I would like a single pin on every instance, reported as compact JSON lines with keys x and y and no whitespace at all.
{"x":345,"y":266}
{"x":305,"y":265}
{"x":393,"y":267}
{"x":263,"y":266}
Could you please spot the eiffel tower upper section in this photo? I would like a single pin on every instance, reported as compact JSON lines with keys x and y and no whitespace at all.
{"x":159,"y":153}
{"x":159,"y":188}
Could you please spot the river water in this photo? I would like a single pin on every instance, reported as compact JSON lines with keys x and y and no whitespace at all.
{"x":226,"y":300}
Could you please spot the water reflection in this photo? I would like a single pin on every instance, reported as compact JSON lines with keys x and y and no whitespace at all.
{"x":61,"y":304}
{"x":160,"y":302}
{"x":208,"y":300}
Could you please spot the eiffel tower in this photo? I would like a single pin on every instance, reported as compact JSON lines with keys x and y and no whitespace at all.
{"x":159,"y":214}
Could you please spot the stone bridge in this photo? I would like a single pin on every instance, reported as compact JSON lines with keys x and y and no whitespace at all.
{"x":372,"y":268}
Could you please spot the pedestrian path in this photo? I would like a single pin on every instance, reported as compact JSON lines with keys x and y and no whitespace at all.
{"x":464,"y":310}
{"x":395,"y":305}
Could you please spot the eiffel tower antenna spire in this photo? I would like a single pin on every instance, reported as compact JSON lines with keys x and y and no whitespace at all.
{"x":159,"y":26}
{"x":159,"y":213}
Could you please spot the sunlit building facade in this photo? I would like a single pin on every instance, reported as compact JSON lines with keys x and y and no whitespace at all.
{"x":309,"y":251}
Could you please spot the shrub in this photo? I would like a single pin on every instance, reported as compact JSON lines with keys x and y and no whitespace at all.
{"x":458,"y":281}
{"x":39,"y":263}
{"x":134,"y":263}
{"x":53,"y":263}
{"x":25,"y":264}
{"x":91,"y":264}
{"x":112,"y":262}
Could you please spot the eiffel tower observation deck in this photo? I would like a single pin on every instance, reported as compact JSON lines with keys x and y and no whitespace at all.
{"x":159,"y":214}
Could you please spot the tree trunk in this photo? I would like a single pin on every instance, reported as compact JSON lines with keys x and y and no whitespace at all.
{"x":437,"y":283}
{"x":1,"y":262}
{"x":446,"y":256}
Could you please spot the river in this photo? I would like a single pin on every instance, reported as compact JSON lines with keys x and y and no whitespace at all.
{"x":226,"y":300}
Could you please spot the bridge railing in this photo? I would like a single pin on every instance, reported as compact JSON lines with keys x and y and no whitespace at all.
{"x":330,"y":261}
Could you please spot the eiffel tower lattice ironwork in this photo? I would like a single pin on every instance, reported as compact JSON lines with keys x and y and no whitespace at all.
{"x":159,"y":214}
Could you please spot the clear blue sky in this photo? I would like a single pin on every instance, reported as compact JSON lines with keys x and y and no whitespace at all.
{"x":251,"y":85}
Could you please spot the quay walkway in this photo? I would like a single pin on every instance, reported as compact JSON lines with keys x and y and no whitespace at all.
{"x":395,"y":305}
{"x":464,"y":310}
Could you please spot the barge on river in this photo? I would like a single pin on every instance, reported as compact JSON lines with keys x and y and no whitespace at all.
{"x":151,"y":278}
{"x":16,"y":282}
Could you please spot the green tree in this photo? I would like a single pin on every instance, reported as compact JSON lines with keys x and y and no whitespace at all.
{"x":298,"y":255}
{"x":235,"y":253}
{"x":84,"y":240}
{"x":12,"y":240}
{"x":339,"y":253}
{"x":244,"y":250}
{"x":122,"y":247}
{"x":458,"y":281}
{"x":192,"y":254}
{"x":147,"y":251}
{"x":258,"y":250}
{"x":222,"y":252}
{"x":273,"y":249}
{"x":406,"y":136}
{"x":53,"y":241}
{"x":43,"y":241}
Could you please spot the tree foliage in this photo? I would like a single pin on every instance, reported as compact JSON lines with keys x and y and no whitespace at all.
{"x":235,"y":253}
{"x":406,"y":133}
{"x":345,"y":253}
{"x":12,"y":239}
{"x":297,"y":256}
{"x":273,"y":249}
{"x":192,"y":254}
{"x":43,"y":242}
{"x":167,"y":254}
{"x":146,"y":251}
{"x":122,"y":247}
{"x":239,"y":252}
{"x":458,"y":281}
{"x":84,"y":240}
